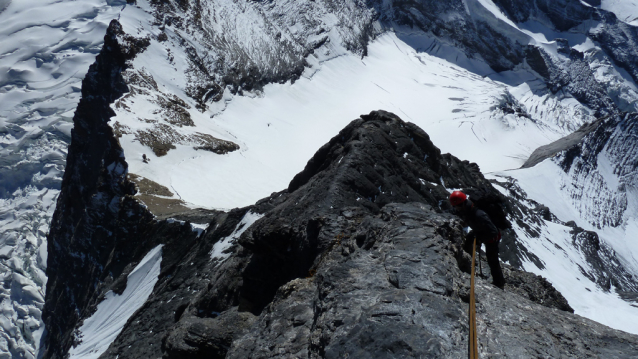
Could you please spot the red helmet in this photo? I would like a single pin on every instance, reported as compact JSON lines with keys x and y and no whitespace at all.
{"x":457,"y":197}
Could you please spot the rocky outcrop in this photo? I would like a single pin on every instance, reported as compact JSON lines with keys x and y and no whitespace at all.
{"x":564,"y":144}
{"x":359,"y":256}
{"x":195,"y":337}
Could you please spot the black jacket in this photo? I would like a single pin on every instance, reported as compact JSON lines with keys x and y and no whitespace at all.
{"x":479,"y":221}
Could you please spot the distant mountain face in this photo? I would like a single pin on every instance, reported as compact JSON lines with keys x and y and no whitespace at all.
{"x":242,"y":46}
{"x":602,"y":169}
{"x":211,"y":103}
{"x":247,"y":45}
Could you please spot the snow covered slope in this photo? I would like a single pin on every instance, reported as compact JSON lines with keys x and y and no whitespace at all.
{"x":626,"y":10}
{"x":98,"y":331}
{"x":510,"y":110}
{"x":440,"y":97}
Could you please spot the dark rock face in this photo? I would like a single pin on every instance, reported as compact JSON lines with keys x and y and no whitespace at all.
{"x":563,"y":14}
{"x":476,"y":37}
{"x":195,"y":337}
{"x":169,"y":323}
{"x":95,"y":218}
{"x":400,"y":291}
{"x":398,"y":287}
{"x":620,"y":41}
{"x":535,"y":288}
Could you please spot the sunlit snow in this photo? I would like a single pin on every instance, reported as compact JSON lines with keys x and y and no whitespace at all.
{"x":625,"y":10}
{"x":99,"y":331}
{"x":219,"y":249}
{"x":279,"y":130}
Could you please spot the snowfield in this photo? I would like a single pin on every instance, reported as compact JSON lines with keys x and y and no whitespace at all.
{"x":279,"y":129}
{"x":625,"y":10}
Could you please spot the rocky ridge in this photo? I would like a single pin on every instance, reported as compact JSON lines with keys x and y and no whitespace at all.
{"x":358,"y":256}
{"x":46,"y":51}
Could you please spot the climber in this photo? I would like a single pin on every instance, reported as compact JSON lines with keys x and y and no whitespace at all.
{"x":483,"y":229}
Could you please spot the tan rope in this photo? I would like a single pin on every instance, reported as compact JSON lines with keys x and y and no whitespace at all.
{"x":472,"y":341}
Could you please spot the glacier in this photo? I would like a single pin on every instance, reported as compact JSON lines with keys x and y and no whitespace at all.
{"x":46,"y":48}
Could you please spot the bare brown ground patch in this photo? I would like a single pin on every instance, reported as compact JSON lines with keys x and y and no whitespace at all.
{"x":163,"y":207}
{"x":149,"y":192}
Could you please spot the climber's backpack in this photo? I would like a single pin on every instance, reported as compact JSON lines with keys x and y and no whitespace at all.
{"x":492,"y":203}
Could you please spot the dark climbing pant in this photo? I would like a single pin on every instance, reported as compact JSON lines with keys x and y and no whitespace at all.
{"x":491,"y":250}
